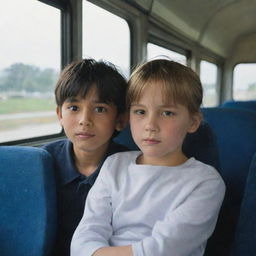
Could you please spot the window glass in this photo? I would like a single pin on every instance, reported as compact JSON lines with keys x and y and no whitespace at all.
{"x":156,"y":52}
{"x":244,"y":81}
{"x":106,"y":36}
{"x":208,"y":76}
{"x":30,"y":63}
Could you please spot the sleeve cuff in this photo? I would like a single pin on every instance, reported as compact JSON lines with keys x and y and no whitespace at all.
{"x":137,"y":249}
{"x":90,"y":249}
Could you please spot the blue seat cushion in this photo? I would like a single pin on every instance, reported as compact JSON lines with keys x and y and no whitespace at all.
{"x":235,"y":130}
{"x":248,"y":105}
{"x":28,"y":201}
{"x":245,"y":241}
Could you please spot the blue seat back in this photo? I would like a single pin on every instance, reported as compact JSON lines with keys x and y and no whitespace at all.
{"x":249,"y":105}
{"x":245,"y":241}
{"x":28,"y":201}
{"x":235,"y":130}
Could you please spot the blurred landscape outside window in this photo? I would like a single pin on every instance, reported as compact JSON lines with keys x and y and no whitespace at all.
{"x":29,"y":68}
{"x":208,"y":76}
{"x":244,"y":81}
{"x":106,"y":36}
{"x":157,"y":52}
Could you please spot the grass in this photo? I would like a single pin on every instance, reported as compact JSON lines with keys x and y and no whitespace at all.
{"x":20,"y":105}
{"x":7,"y":125}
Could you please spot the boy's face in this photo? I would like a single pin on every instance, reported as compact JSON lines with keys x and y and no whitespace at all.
{"x":88,"y":123}
{"x":159,"y":129}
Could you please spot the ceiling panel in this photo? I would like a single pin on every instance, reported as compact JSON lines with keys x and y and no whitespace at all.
{"x":215,"y":24}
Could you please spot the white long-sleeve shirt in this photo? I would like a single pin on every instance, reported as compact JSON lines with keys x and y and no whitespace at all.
{"x":159,"y":210}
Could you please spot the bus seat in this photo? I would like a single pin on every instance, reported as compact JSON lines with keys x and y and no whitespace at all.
{"x":235,"y":130}
{"x":28,"y":201}
{"x":249,"y":105}
{"x":201,"y":144}
{"x":245,"y":241}
{"x":125,"y":138}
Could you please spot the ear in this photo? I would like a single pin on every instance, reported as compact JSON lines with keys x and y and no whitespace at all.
{"x":122,"y":121}
{"x":59,"y":114}
{"x":195,"y":122}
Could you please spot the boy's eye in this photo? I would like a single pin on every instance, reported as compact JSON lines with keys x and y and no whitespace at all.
{"x":100,"y":109}
{"x":167,"y":113}
{"x":73,"y":108}
{"x":139,"y":111}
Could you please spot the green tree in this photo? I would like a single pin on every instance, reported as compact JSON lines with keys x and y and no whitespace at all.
{"x":20,"y":76}
{"x":252,"y":87}
{"x":46,"y":80}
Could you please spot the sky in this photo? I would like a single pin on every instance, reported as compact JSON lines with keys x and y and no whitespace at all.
{"x":244,"y":75}
{"x":106,"y":36}
{"x":25,"y":37}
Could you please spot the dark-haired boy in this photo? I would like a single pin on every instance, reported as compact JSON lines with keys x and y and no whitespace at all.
{"x":90,"y":99}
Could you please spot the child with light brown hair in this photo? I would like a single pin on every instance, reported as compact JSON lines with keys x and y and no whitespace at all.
{"x":156,"y":201}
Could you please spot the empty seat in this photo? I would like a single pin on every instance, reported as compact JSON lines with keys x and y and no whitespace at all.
{"x":235,"y":130}
{"x":249,"y":105}
{"x":245,"y":241}
{"x":28,"y":201}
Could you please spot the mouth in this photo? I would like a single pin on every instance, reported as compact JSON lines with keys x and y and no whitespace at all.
{"x":85,"y":135}
{"x":151,"y":141}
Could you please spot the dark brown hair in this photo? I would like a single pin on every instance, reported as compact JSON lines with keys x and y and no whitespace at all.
{"x":79,"y":77}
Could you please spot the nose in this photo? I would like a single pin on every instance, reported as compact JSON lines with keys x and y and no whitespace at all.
{"x":151,"y":124}
{"x":85,"y":118}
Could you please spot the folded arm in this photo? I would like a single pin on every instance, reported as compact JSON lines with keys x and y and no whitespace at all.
{"x":185,"y":230}
{"x":114,"y":251}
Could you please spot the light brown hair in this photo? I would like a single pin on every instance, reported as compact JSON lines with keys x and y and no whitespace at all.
{"x":181,"y":85}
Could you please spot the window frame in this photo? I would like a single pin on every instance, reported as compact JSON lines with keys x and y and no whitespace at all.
{"x":218,"y":77}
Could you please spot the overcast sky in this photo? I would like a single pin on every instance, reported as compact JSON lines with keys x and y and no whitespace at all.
{"x":24,"y":34}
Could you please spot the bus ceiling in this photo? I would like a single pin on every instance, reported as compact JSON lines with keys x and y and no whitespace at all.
{"x":222,"y":26}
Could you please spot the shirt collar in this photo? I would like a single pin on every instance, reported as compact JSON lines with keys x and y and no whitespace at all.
{"x":67,"y":163}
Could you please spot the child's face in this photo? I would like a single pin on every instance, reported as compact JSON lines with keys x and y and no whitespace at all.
{"x":159,"y":129}
{"x":88,"y":123}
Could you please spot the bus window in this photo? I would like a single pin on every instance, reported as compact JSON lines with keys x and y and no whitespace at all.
{"x":244,"y":81}
{"x":155,"y":51}
{"x":29,"y":67}
{"x":208,"y":76}
{"x":106,"y":36}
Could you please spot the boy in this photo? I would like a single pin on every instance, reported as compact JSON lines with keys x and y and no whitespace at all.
{"x":156,"y":201}
{"x":90,"y":99}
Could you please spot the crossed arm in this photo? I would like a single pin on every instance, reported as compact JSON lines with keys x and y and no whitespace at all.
{"x":114,"y":251}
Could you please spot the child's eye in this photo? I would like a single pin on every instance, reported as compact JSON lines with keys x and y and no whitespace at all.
{"x":100,"y":109}
{"x":139,"y":111}
{"x":167,"y":113}
{"x":73,"y":108}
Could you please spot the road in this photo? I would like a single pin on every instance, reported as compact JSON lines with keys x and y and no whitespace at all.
{"x":30,"y":130}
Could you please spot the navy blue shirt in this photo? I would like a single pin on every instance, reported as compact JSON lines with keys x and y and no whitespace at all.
{"x":72,"y":190}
